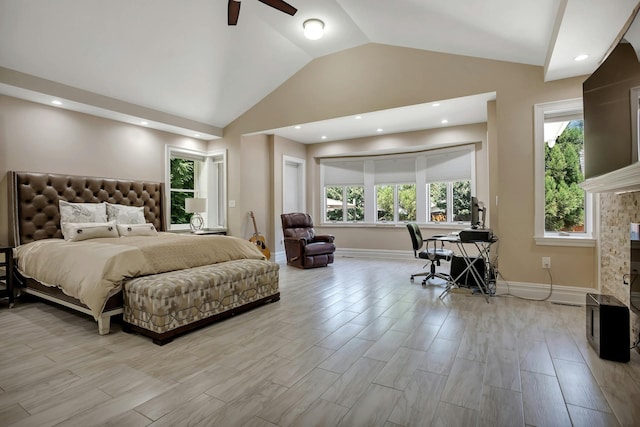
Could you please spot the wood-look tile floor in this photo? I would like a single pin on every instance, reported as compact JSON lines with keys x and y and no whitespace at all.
{"x":353,"y":344}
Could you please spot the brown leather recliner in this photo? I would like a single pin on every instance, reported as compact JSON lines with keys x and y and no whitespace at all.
{"x":304,"y":248}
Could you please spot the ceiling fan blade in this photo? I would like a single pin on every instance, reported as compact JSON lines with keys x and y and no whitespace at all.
{"x":281,"y":6}
{"x":233,"y":11}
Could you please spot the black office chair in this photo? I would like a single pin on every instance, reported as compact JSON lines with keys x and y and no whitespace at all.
{"x":431,"y":253}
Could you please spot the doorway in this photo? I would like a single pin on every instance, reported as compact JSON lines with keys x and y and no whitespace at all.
{"x":293,"y":185}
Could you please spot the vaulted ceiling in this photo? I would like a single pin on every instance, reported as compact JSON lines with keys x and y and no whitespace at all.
{"x":181,"y":58}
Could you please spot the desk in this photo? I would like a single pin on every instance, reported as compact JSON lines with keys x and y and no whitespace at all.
{"x":485,"y":278}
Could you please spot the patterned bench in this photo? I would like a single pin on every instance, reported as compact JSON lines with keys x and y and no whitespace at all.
{"x":168,"y":304}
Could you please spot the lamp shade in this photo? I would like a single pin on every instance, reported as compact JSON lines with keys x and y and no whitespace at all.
{"x":192,"y":205}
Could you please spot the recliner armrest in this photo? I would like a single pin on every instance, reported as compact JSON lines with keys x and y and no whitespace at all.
{"x":301,"y":240}
{"x":324,"y":238}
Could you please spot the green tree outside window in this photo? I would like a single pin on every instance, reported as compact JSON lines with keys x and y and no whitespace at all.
{"x":182,"y":177}
{"x":564,"y":199}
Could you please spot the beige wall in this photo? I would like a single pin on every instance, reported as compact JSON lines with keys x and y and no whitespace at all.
{"x":39,"y":138}
{"x":375,"y":77}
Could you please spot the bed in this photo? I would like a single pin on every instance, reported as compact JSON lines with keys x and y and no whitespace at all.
{"x":147,"y":276}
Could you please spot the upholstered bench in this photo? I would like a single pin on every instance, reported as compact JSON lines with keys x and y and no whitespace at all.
{"x":165,"y":305}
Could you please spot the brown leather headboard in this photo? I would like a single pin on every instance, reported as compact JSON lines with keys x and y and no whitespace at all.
{"x":33,"y":201}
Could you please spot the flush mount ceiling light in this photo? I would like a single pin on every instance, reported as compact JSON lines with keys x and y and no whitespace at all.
{"x":581,"y":57}
{"x":313,"y":29}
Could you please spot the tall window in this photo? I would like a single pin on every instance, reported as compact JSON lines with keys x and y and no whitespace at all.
{"x":563,"y":171}
{"x":344,"y":191}
{"x":563,"y":209}
{"x":391,"y":188}
{"x":196,"y":174}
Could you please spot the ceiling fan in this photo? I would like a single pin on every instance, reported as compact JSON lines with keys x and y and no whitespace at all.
{"x":233,"y":10}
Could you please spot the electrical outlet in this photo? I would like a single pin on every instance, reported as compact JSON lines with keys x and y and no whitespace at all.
{"x":546,"y":262}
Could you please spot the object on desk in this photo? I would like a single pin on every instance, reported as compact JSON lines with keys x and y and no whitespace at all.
{"x":477,"y":235}
{"x":477,"y":208}
{"x":433,"y":254}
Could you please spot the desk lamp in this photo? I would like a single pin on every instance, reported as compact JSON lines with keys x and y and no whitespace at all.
{"x":195,"y":206}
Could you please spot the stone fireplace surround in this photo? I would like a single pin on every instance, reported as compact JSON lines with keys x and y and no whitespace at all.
{"x":617,"y":212}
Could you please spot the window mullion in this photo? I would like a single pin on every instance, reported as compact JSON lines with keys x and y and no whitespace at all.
{"x":449,"y":202}
{"x":344,"y":204}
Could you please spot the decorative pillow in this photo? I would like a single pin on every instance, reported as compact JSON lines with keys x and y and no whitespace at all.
{"x":90,"y":230}
{"x":81,"y":213}
{"x":126,"y":230}
{"x":122,"y":214}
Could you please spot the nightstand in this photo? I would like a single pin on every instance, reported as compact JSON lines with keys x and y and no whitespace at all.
{"x":6,"y":274}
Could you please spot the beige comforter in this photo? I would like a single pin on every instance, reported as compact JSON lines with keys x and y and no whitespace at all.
{"x":93,"y":270}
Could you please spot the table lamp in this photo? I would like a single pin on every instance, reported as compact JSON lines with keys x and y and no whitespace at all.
{"x":195,"y":206}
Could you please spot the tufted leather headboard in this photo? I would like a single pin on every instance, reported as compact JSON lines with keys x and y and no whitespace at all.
{"x":33,"y":201}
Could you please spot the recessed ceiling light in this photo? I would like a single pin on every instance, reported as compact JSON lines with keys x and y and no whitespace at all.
{"x":323,"y":137}
{"x":297,"y":127}
{"x":444,"y":121}
{"x":436,"y":104}
{"x":379,"y":130}
{"x":56,"y":102}
{"x":358,"y":117}
{"x":197,"y":135}
{"x":581,"y":57}
{"x":144,"y":123}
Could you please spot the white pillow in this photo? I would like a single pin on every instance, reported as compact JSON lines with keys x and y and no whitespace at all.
{"x":122,"y":214}
{"x":126,"y":230}
{"x":91,"y":230}
{"x":81,"y":213}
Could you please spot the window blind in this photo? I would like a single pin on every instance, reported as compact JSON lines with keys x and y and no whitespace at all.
{"x":395,"y":171}
{"x":344,"y":173}
{"x":452,"y":166}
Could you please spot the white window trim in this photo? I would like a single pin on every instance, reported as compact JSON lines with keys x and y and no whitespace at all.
{"x":542,"y":237}
{"x":217,"y":158}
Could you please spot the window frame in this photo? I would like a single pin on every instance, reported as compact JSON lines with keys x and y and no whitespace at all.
{"x":210,"y":184}
{"x":541,"y":236}
{"x":449,"y":191}
{"x":369,"y":182}
{"x":345,"y":205}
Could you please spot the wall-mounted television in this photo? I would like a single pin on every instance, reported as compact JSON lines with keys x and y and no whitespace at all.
{"x":634,"y":276}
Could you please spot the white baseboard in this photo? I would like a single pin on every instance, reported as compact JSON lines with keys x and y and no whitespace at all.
{"x":374,"y":253}
{"x":560,"y":294}
{"x":281,"y":257}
